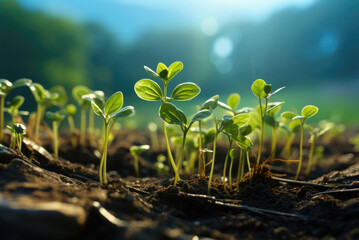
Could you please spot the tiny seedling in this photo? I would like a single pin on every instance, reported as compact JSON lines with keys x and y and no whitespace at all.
{"x":244,"y":142}
{"x":233,"y":154}
{"x":136,"y":151}
{"x":13,"y":108}
{"x":5,"y":87}
{"x":246,"y":145}
{"x":111,"y":110}
{"x":77,"y":93}
{"x":70,"y":112}
{"x":99,"y":98}
{"x":271,"y":120}
{"x":292,"y":128}
{"x":43,"y":99}
{"x":307,"y":112}
{"x":315,"y":133}
{"x":262,"y":90}
{"x":149,"y":90}
{"x":17,"y":131}
{"x":56,"y":118}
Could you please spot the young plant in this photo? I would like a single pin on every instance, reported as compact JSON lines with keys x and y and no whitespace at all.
{"x":173,"y":115}
{"x":243,"y":133}
{"x":17,"y":131}
{"x":56,"y":118}
{"x":13,"y":108}
{"x":262,"y":90}
{"x":135,"y":152}
{"x":111,"y":110}
{"x":307,"y":112}
{"x":70,"y":112}
{"x":77,"y":93}
{"x":292,"y":128}
{"x":315,"y":133}
{"x":149,"y":90}
{"x":271,"y":120}
{"x":5,"y":87}
{"x":246,"y":145}
{"x":43,"y":98}
{"x":233,"y":154}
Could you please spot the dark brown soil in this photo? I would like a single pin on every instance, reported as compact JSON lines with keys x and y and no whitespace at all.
{"x":46,"y":198}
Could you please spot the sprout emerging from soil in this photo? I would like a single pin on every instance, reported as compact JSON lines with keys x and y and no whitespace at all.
{"x":262,"y":90}
{"x":17,"y":131}
{"x":56,"y":118}
{"x":70,"y":112}
{"x":109,"y":112}
{"x":292,"y":128}
{"x":271,"y":120}
{"x":149,"y":90}
{"x":43,"y":99}
{"x":5,"y":87}
{"x":13,"y":108}
{"x":136,"y":151}
{"x":307,"y":112}
{"x":233,"y":154}
{"x":77,"y":93}
{"x":244,"y":143}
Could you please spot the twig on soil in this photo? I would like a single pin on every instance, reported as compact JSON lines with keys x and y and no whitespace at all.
{"x":345,"y":191}
{"x":302,"y":183}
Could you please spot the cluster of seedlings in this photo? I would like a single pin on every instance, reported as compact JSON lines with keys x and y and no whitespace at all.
{"x":196,"y":142}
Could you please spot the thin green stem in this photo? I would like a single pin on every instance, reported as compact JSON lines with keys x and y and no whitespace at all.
{"x":261,"y":137}
{"x":83,"y":127}
{"x":249,"y":167}
{"x":55,"y":130}
{"x":102,"y":173}
{"x":70,"y":120}
{"x":38,"y":120}
{"x":274,"y":143}
{"x":311,"y":154}
{"x":200,"y":148}
{"x":300,"y":150}
{"x":19,"y":142}
{"x":135,"y":157}
{"x":180,"y":158}
{"x":2,"y":103}
{"x":230,"y":173}
{"x":286,"y":152}
{"x":173,"y":164}
{"x":213,"y":156}
{"x":239,"y":164}
{"x":225,"y":163}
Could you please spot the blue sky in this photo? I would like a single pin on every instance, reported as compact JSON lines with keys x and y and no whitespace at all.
{"x":127,"y":19}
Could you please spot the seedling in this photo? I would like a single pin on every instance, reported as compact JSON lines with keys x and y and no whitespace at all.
{"x":233,"y":154}
{"x":263,"y":91}
{"x":315,"y":133}
{"x":271,"y":120}
{"x":5,"y":87}
{"x":292,"y":128}
{"x":173,"y":115}
{"x":160,"y":167}
{"x":43,"y":98}
{"x":246,"y":145}
{"x":244,"y":141}
{"x":307,"y":112}
{"x":99,"y":98}
{"x":17,"y":131}
{"x":13,"y":108}
{"x":56,"y":118}
{"x":111,"y":110}
{"x":70,"y":112}
{"x":136,"y":151}
{"x":149,"y":90}
{"x":77,"y":93}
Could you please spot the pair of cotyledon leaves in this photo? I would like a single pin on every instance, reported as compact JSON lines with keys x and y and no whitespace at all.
{"x":112,"y":107}
{"x":307,"y":112}
{"x":6,"y":86}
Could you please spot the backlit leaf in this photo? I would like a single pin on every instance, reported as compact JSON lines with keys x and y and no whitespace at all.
{"x":203,"y":114}
{"x":258,"y":88}
{"x":185,"y":91}
{"x":114,"y":103}
{"x":233,"y":100}
{"x":149,"y":90}
{"x":171,"y":114}
{"x":173,"y":69}
{"x":309,"y":111}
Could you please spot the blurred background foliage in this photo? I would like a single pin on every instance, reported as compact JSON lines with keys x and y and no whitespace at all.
{"x":313,"y":51}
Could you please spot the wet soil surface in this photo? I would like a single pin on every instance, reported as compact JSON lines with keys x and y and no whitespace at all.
{"x":46,"y":198}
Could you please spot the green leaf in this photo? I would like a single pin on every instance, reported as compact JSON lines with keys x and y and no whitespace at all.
{"x":298,"y":117}
{"x":5,"y":86}
{"x":55,"y":116}
{"x":270,"y":121}
{"x":225,"y":107}
{"x":258,"y":88}
{"x":185,"y":91}
{"x":71,"y":109}
{"x":137,"y":150}
{"x":173,"y":69}
{"x":232,"y":129}
{"x":16,"y":102}
{"x":233,"y":153}
{"x":38,"y":91}
{"x":209,"y":136}
{"x":78,"y":92}
{"x":211,"y":103}
{"x":288,"y":115}
{"x":233,"y":100}
{"x":244,"y":110}
{"x":241,"y":119}
{"x":273,"y":107}
{"x":151,"y":72}
{"x":309,"y":111}
{"x":294,"y":126}
{"x":243,"y":142}
{"x":97,"y":110}
{"x":22,"y":82}
{"x":61,"y":100}
{"x":203,"y":114}
{"x":267,"y":88}
{"x":124,"y":112}
{"x":148,"y":90}
{"x":162,"y":71}
{"x":17,"y":128}
{"x":245,"y":130}
{"x":171,"y":114}
{"x":114,"y":103}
